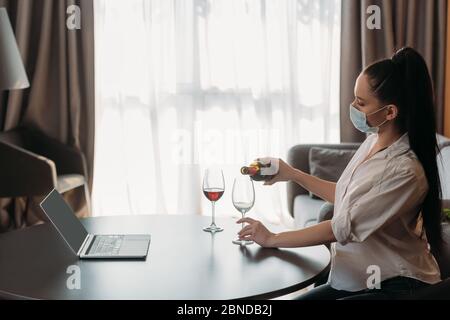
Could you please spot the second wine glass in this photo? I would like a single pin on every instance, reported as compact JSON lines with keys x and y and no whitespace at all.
{"x":243,"y":196}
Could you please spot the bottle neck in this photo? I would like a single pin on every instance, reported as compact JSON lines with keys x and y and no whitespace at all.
{"x":251,"y":170}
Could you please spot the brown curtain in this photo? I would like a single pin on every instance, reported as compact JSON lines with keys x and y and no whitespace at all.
{"x":420,"y":24}
{"x":60,"y":101}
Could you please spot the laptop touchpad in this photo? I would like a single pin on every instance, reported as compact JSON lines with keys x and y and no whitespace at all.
{"x":134,"y":245}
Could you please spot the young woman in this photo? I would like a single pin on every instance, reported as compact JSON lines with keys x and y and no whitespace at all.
{"x":387,"y":209}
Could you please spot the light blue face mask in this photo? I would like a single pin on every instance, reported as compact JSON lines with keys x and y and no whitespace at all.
{"x":359,"y":120}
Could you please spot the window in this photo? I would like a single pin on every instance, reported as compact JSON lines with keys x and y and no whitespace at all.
{"x":182,"y":85}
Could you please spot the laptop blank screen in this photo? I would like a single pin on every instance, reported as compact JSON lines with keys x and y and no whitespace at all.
{"x":64,"y":219}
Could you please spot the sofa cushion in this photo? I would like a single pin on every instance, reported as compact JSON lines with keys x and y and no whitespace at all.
{"x":306,"y":210}
{"x":326,"y":212}
{"x":442,"y":141}
{"x":328,"y":164}
{"x":444,"y":171}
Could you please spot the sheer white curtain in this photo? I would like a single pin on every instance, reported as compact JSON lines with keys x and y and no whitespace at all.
{"x":185,"y":84}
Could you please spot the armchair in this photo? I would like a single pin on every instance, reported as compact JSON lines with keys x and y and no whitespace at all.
{"x":32,"y":164}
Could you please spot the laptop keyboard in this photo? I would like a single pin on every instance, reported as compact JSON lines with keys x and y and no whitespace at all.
{"x":106,"y":245}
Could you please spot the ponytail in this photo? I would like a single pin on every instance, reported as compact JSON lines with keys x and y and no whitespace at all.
{"x":404,"y":80}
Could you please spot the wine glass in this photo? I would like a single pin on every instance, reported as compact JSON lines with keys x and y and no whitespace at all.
{"x":243,"y":196}
{"x":213,"y":189}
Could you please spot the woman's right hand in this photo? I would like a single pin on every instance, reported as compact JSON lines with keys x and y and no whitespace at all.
{"x":285,"y":173}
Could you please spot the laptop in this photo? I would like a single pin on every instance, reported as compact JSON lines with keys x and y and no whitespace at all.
{"x":91,"y":246}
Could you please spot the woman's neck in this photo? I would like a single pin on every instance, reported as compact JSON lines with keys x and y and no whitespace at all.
{"x":387,"y":137}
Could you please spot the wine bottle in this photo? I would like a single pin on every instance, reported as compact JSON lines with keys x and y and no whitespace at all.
{"x":256,"y":172}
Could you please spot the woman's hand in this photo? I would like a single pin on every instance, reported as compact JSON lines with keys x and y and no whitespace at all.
{"x":257,"y":232}
{"x":285,"y":173}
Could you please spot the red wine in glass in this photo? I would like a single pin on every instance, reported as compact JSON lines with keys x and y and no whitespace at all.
{"x":213,"y":189}
{"x":213,"y":194}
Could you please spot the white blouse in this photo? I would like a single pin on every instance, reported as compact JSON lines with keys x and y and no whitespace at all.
{"x":375,"y":222}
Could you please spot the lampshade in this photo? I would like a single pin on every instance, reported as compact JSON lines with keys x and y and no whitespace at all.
{"x":12,"y":71}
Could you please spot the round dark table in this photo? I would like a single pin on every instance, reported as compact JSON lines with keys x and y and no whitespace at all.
{"x":183,"y":263}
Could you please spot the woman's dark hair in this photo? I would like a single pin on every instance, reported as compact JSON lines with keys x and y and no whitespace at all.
{"x":404,"y":81}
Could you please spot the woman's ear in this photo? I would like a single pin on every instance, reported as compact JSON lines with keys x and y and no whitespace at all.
{"x":392,"y":112}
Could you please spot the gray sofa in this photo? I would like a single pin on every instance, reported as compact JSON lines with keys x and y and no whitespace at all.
{"x":308,"y":211}
{"x":302,"y":207}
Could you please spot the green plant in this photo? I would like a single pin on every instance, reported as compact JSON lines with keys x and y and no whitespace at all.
{"x":447,"y":214}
